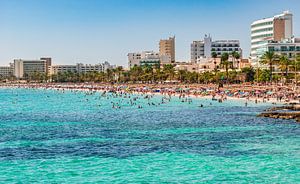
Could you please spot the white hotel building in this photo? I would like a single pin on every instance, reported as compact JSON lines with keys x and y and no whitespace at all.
{"x":147,"y":58}
{"x":204,"y":49}
{"x":7,"y":71}
{"x":275,"y":28}
{"x":80,"y":68}
{"x":25,"y":68}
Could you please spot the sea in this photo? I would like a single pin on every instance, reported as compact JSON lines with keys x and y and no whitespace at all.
{"x":50,"y":136}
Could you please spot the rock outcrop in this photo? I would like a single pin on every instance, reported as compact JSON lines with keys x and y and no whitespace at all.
{"x":283,"y":112}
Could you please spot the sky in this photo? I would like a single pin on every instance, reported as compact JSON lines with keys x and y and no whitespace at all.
{"x":93,"y":31}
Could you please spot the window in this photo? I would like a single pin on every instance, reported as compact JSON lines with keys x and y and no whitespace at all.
{"x":262,"y":24}
{"x":271,"y":49}
{"x":292,"y":48}
{"x":283,"y":48}
{"x":261,"y":36}
{"x":262,"y":30}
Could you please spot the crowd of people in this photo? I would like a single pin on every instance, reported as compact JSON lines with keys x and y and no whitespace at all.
{"x":258,"y":93}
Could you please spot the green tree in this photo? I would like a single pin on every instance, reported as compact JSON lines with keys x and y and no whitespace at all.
{"x":284,"y":64}
{"x":236,"y":56}
{"x":169,"y":71}
{"x":182,"y":75}
{"x":225,"y":64}
{"x":264,"y":75}
{"x":269,"y":58}
{"x":214,"y":55}
{"x":119,"y":70}
{"x":135,"y":73}
{"x":249,"y":73}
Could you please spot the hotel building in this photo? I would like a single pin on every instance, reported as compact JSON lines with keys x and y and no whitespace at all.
{"x":277,"y":28}
{"x":287,"y":47}
{"x":147,"y":58}
{"x":25,"y":68}
{"x":55,"y":69}
{"x":101,"y":67}
{"x":7,"y":71}
{"x":134,"y":59}
{"x":80,"y":68}
{"x":167,"y":48}
{"x":204,"y":49}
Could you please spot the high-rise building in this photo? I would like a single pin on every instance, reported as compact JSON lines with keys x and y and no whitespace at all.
{"x":277,"y":28}
{"x":167,"y":48}
{"x":48,"y":62}
{"x":204,"y":48}
{"x":25,"y":68}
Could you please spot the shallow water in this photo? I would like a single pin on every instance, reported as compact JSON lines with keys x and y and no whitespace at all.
{"x":55,"y":137}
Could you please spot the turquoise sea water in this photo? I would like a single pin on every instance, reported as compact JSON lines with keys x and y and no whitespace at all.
{"x":55,"y":137}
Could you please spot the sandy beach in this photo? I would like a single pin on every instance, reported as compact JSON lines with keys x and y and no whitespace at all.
{"x":276,"y":94}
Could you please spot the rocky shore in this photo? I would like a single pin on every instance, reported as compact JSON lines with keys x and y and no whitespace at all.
{"x":291,"y":111}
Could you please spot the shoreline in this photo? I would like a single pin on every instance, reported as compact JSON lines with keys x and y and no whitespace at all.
{"x":209,"y":91}
{"x":183,"y":95}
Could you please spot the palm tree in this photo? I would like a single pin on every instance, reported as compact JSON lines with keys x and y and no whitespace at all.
{"x":249,"y":74}
{"x":269,"y":58}
{"x":170,"y":71}
{"x":225,"y":63}
{"x":296,"y":66}
{"x":119,"y":70}
{"x":233,"y":53}
{"x":109,"y":74}
{"x":214,"y":55}
{"x":181,"y":75}
{"x":147,"y":73}
{"x":236,"y":56}
{"x":135,"y":73}
{"x":284,"y":64}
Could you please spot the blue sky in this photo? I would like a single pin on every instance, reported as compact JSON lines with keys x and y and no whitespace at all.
{"x":93,"y":31}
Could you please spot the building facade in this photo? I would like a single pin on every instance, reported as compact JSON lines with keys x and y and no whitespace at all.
{"x":55,"y":69}
{"x":134,"y":59}
{"x":81,"y":68}
{"x":288,"y":47}
{"x":150,"y":58}
{"x":23,"y":69}
{"x":277,"y":28}
{"x":7,"y":71}
{"x":48,"y":62}
{"x":204,"y":49}
{"x":167,"y":48}
{"x":146,"y":58}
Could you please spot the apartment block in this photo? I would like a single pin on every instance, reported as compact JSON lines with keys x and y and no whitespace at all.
{"x":205,"y":48}
{"x":7,"y":71}
{"x":146,"y":58}
{"x":25,"y":68}
{"x":81,"y":68}
{"x":167,"y":48}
